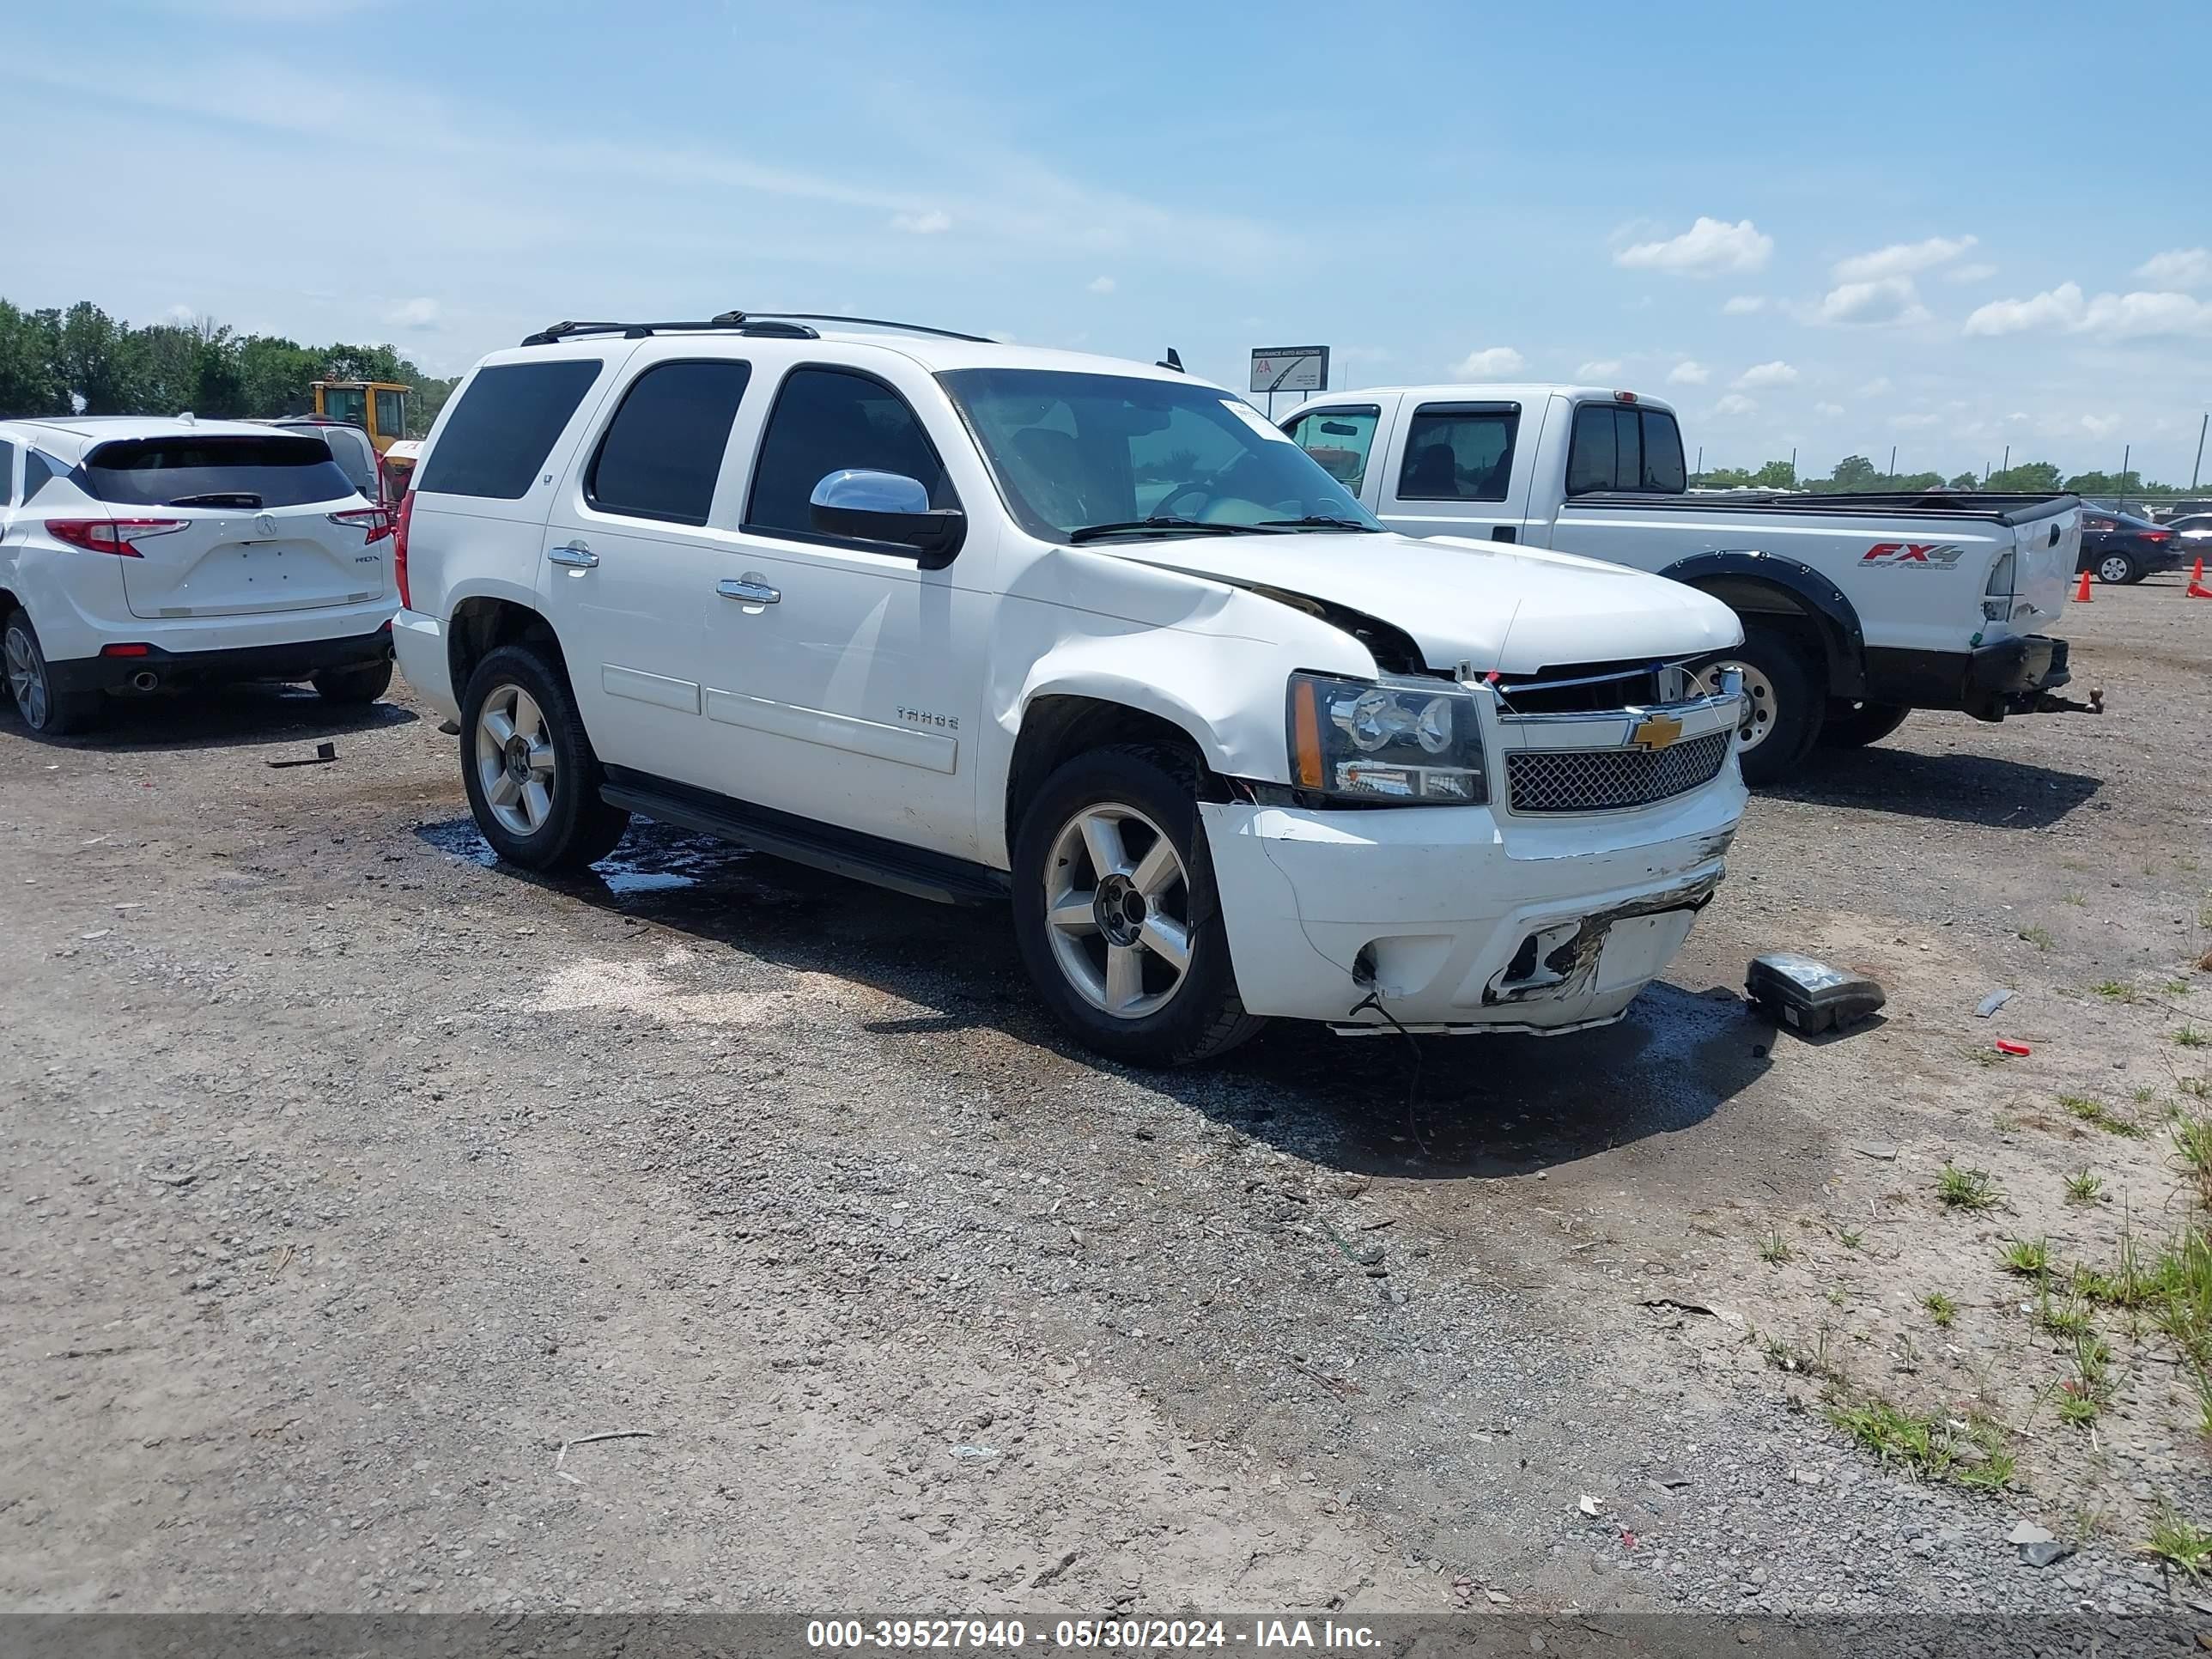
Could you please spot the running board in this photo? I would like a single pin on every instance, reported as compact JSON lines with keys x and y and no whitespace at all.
{"x":842,"y":852}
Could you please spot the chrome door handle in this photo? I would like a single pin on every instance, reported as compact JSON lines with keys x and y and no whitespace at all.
{"x":574,"y":557}
{"x":749,"y":590}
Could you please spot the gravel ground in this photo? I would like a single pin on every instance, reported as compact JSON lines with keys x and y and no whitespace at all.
{"x":353,"y":1184}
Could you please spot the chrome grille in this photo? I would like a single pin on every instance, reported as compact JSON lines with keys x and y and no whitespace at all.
{"x":1601,"y":780}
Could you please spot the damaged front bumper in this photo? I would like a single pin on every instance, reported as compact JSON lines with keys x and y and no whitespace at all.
{"x":1456,"y":918}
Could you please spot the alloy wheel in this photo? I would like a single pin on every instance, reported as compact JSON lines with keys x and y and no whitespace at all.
{"x":26,"y":679}
{"x":515,"y":763}
{"x":1117,"y":910}
{"x":1758,"y":702}
{"x":2114,"y":569}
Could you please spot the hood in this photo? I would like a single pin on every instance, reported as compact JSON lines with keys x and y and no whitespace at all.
{"x":1496,"y":606}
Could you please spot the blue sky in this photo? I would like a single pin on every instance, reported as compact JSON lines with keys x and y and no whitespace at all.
{"x":1947,"y":227}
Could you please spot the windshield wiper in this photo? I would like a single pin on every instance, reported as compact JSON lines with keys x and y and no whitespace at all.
{"x":244,"y":498}
{"x":1092,"y":532}
{"x":1320,"y":521}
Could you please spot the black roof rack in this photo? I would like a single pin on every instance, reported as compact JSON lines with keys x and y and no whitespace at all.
{"x":771,"y":324}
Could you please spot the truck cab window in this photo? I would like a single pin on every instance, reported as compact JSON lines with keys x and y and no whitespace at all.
{"x":1620,"y":447}
{"x":1339,"y":439}
{"x":1458,"y":454}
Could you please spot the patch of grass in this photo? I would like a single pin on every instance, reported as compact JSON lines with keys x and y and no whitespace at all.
{"x":2192,"y":1144}
{"x":2041,"y":937}
{"x":2066,"y":1318}
{"x":2193,"y":1036}
{"x":2099,"y":1115}
{"x":1774,"y":1248}
{"x":2082,"y":1187}
{"x":1941,"y":1308}
{"x":1850,"y":1237}
{"x":2176,"y":1544}
{"x":2143,"y":1094}
{"x":1967,"y":1189}
{"x":2177,"y":988}
{"x":2076,"y":1410}
{"x":2114,"y":990}
{"x":2030,"y":1258}
{"x":2074,"y":898}
{"x":1934,"y":1446}
{"x":2199,"y":1086}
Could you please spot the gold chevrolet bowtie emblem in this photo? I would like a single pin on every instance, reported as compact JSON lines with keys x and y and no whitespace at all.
{"x":1655,"y":732}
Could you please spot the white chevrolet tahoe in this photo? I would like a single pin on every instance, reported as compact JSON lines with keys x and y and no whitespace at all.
{"x":1856,"y":609}
{"x":981,"y":623}
{"x":143,"y":556}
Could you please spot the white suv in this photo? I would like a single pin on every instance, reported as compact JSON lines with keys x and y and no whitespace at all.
{"x":142,"y":555}
{"x":980,"y":622}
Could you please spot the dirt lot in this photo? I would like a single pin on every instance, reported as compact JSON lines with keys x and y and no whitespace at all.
{"x":346,"y":1176}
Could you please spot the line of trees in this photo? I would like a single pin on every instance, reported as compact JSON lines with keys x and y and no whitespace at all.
{"x":81,"y":361}
{"x":1857,"y":475}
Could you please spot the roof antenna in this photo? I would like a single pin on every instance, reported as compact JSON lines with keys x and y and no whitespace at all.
{"x":1170,"y":361}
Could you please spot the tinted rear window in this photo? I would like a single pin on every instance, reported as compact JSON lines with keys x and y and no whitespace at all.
{"x":497,"y":437}
{"x":662,"y":451}
{"x":272,"y":472}
{"x":1618,"y":446}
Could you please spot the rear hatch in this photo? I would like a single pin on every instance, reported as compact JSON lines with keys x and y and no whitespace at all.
{"x":2046,"y":550}
{"x":261,"y":524}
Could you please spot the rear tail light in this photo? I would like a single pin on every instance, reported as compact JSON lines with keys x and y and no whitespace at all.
{"x":400,"y":548}
{"x":116,"y":536}
{"x":376,"y":520}
{"x":2156,"y":535}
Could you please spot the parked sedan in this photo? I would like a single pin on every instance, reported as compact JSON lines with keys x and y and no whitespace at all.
{"x":2121,"y":547}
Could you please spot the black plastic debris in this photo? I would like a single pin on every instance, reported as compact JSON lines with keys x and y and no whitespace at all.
{"x":1809,"y":997}
{"x":324,"y":755}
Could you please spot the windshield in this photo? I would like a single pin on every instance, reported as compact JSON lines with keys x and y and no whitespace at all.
{"x":1112,"y":454}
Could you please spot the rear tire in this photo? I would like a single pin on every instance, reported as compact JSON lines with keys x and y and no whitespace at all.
{"x":1784,"y":708}
{"x":50,"y":709}
{"x":2118,"y":569}
{"x":531,"y":778}
{"x":1141,"y":1008}
{"x":354,"y":685}
{"x":1855,"y":725}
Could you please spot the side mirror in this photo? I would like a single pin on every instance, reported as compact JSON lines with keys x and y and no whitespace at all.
{"x":890,"y":508}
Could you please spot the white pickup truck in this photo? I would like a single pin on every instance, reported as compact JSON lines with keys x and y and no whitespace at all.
{"x":1856,"y":609}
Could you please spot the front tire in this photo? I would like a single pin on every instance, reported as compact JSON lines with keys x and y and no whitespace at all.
{"x":2118,"y":569}
{"x":354,"y":685}
{"x":48,"y":707}
{"x":1116,"y":914}
{"x":531,"y":777}
{"x":1855,"y":725}
{"x":1783,"y":711}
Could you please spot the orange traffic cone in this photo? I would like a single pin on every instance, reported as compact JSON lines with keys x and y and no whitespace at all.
{"x":2081,"y":593}
{"x":2197,"y":588}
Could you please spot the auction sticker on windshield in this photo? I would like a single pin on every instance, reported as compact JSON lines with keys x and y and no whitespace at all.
{"x":1253,"y":418}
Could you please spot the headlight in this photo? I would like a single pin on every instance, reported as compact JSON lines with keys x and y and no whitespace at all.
{"x":1409,"y":743}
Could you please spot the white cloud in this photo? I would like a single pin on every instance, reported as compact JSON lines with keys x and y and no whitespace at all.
{"x":1875,"y":387}
{"x":1735,"y":404}
{"x":1876,"y":303}
{"x":413,"y":313}
{"x":1742,"y":304}
{"x":1777,"y":372}
{"x":2101,"y":426}
{"x":1830,"y":409}
{"x":1491,"y":361}
{"x":1100,"y":285}
{"x":1970,"y":273}
{"x":2181,"y":267}
{"x":1901,"y":258}
{"x":1915,"y":422}
{"x":1710,"y":248}
{"x":1605,"y":368}
{"x":934,"y":222}
{"x":181,"y":314}
{"x":2064,"y":309}
{"x":1688,"y":371}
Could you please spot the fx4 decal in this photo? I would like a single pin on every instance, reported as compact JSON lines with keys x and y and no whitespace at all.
{"x":1927,"y":556}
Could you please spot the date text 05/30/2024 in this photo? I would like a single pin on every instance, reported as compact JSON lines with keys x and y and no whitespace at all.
{"x":1131,"y":1635}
